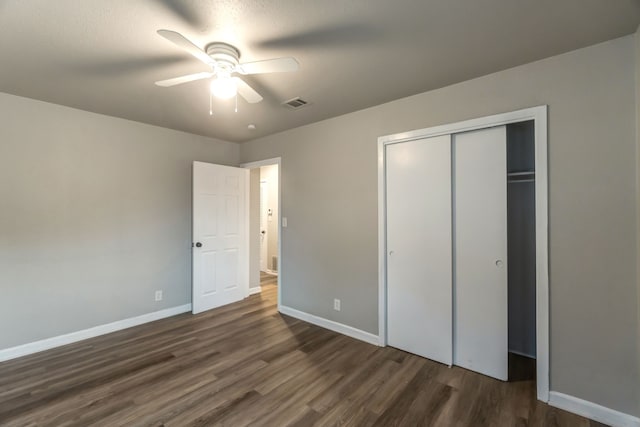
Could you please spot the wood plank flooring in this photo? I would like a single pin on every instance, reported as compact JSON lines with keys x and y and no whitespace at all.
{"x":245,"y":364}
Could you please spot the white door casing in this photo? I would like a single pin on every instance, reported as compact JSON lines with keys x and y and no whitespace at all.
{"x":220,"y":224}
{"x":480,"y":251}
{"x":418,"y":189}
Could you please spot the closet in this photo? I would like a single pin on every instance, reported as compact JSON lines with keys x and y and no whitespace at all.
{"x":460,"y":239}
{"x":521,"y":230}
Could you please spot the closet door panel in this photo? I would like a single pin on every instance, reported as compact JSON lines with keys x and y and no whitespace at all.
{"x":480,"y":251}
{"x":419,"y":266}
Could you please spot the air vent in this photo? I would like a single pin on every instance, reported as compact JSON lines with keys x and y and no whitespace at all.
{"x":295,"y":103}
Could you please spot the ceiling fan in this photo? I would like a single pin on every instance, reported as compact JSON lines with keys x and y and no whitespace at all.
{"x":224,"y":61}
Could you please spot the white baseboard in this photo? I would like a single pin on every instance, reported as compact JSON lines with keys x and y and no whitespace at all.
{"x":592,"y":410}
{"x":331,"y":325}
{"x":253,"y":291}
{"x":60,"y":340}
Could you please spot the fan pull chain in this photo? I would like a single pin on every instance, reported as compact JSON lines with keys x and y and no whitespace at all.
{"x":210,"y":104}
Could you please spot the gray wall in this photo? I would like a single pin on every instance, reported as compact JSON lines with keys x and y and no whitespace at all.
{"x":329,"y":195}
{"x":95,"y":216}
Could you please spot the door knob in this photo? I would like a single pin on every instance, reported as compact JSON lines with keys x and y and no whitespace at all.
{"x":198,"y":245}
{"x":499,"y":263}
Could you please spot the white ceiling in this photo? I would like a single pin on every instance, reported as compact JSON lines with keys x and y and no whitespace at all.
{"x":104,"y":56}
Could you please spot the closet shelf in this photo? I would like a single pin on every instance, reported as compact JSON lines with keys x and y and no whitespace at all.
{"x":524,"y":173}
{"x":523,"y":176}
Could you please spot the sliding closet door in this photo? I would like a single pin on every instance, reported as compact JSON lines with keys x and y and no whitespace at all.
{"x":418,"y":195}
{"x":480,"y":251}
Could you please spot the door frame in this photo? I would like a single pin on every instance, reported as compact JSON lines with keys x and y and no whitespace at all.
{"x":268,"y":162}
{"x":539,"y":116}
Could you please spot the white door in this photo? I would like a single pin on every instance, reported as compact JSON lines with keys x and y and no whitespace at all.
{"x":419,"y":266}
{"x":264,"y":238}
{"x":480,"y":251}
{"x":220,"y":244}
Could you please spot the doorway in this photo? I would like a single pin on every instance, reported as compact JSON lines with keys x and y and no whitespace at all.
{"x":265,"y":225}
{"x":442,"y":140}
{"x":264,"y":236}
{"x":269,"y":213}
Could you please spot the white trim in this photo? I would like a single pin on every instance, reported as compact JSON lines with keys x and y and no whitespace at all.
{"x":267,"y":162}
{"x":60,"y":340}
{"x":592,"y":410}
{"x":382,"y":247}
{"x":331,"y":325}
{"x":532,"y":113}
{"x":253,"y":291}
{"x":260,"y":163}
{"x":539,"y":115}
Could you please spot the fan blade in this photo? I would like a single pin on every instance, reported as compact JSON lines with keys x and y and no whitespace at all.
{"x":184,"y":79}
{"x":278,"y":65}
{"x":181,"y":41}
{"x":246,"y":91}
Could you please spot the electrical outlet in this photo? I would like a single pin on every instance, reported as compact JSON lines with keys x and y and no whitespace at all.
{"x":284,"y":222}
{"x":158,"y":295}
{"x":336,"y":304}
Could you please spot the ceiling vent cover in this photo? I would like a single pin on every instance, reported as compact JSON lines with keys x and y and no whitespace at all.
{"x":295,"y":103}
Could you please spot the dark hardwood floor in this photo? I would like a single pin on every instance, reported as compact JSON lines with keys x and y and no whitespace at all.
{"x":245,"y":364}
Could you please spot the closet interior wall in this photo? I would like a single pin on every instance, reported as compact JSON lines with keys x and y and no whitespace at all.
{"x":521,"y":242}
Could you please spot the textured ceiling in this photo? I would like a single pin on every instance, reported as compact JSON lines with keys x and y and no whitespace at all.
{"x":104,"y":56}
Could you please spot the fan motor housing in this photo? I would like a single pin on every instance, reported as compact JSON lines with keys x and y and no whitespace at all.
{"x":223,"y":53}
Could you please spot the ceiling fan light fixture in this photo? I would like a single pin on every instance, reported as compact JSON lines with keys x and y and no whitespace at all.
{"x":223,"y":88}
{"x":224,"y":60}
